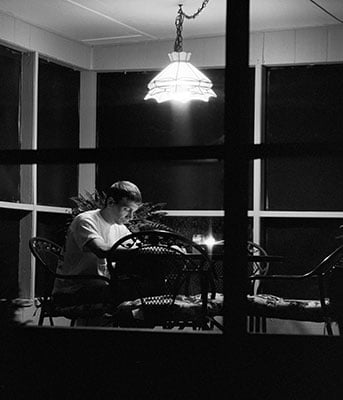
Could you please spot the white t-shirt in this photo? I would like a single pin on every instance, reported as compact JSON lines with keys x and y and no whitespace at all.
{"x":78,"y":260}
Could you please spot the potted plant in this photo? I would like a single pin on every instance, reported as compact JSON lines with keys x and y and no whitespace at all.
{"x":147,"y":217}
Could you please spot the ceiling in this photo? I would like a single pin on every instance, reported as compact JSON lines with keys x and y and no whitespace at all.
{"x":107,"y":22}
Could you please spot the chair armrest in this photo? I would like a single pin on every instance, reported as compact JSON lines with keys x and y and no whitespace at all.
{"x":282,"y":277}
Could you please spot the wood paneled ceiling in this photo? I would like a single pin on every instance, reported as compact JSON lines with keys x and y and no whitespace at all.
{"x":104,"y":22}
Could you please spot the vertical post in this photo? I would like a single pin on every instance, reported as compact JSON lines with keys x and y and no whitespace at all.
{"x":236,"y":167}
{"x":257,"y":176}
{"x":236,"y":194}
{"x":87,"y":128}
{"x":28,"y":173}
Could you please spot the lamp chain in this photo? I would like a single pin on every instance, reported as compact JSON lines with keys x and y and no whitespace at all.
{"x":181,"y":15}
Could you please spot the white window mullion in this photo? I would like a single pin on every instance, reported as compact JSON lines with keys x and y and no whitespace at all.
{"x":257,"y":178}
{"x":88,"y":89}
{"x":28,"y":181}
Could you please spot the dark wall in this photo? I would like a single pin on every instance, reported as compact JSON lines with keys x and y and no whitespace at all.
{"x":128,"y":365}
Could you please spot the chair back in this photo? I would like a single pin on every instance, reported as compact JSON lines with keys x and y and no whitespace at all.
{"x":329,"y":274}
{"x":325,"y":267}
{"x":48,"y":255}
{"x":162,"y":265}
{"x":256,"y":267}
{"x":335,"y":292}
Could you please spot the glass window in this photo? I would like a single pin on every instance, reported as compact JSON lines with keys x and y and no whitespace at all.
{"x":10,"y":73}
{"x":183,"y":185}
{"x":9,"y":246}
{"x":304,"y":183}
{"x":304,"y":104}
{"x":58,"y":127}
{"x":304,"y":243}
{"x":126,"y":119}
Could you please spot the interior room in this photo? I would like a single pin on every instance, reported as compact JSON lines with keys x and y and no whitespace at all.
{"x":258,"y":161}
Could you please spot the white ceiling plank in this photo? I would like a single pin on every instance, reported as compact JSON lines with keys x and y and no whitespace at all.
{"x":334,"y":7}
{"x":105,"y":22}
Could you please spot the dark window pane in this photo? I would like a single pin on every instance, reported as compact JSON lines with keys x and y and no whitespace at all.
{"x":303,"y":243}
{"x":57,"y":184}
{"x":10,"y":183}
{"x":126,"y":119}
{"x":182,"y":185}
{"x":304,"y":104}
{"x":58,"y":127}
{"x":308,"y":183}
{"x":10,"y":73}
{"x":9,"y":246}
{"x":53,"y":226}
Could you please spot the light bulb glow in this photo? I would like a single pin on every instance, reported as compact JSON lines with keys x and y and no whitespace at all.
{"x":209,"y":241}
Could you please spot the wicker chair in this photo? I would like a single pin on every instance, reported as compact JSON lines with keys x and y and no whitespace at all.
{"x":172,"y":279}
{"x":48,"y":255}
{"x":327,"y":308}
{"x":258,"y":268}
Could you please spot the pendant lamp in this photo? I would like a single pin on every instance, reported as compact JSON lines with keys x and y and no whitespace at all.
{"x":180,"y":80}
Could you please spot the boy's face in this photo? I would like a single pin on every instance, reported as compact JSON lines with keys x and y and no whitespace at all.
{"x":123,"y":210}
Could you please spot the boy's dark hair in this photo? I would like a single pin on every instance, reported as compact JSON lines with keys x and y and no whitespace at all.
{"x":122,"y":189}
